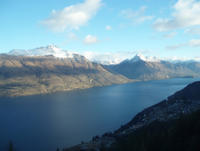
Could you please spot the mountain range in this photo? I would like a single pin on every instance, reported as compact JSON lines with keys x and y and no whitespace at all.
{"x":51,"y":69}
{"x":142,"y":68}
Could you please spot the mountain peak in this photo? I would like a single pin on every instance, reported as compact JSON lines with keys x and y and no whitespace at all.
{"x":42,"y":51}
{"x":140,"y":57}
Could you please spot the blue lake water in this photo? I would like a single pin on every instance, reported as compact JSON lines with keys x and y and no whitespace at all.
{"x":45,"y":122}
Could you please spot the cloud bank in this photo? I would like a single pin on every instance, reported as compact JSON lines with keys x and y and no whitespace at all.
{"x":72,"y":17}
{"x":185,"y":14}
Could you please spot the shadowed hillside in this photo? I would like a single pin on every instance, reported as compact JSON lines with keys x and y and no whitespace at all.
{"x":154,"y":70}
{"x":170,"y":125}
{"x":23,"y":75}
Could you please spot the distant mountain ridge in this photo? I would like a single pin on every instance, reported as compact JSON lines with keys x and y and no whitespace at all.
{"x":144,"y":68}
{"x":117,"y":58}
{"x":60,"y":53}
{"x":105,"y":59}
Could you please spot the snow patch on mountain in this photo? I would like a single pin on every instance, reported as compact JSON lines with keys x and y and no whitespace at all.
{"x":43,"y":51}
{"x":140,"y":57}
{"x":106,"y":58}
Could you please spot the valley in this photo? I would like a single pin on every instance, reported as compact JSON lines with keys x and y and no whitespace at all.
{"x":99,"y":75}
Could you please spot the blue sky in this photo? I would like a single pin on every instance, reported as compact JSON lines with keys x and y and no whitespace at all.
{"x":166,"y":28}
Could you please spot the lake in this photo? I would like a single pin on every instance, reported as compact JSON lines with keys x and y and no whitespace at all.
{"x":45,"y":122}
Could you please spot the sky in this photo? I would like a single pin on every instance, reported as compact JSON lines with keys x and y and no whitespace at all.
{"x":103,"y":28}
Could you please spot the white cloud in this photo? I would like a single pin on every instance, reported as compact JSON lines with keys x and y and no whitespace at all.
{"x":90,"y":39}
{"x":108,"y":27}
{"x":137,"y":16}
{"x":72,"y":17}
{"x":186,"y":14}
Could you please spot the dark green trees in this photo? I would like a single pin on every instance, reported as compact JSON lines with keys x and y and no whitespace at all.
{"x":10,"y":146}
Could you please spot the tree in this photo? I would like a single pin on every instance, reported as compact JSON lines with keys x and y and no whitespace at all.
{"x":57,"y":149}
{"x":10,"y":146}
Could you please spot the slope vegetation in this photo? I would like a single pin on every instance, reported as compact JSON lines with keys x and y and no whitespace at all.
{"x":25,"y":75}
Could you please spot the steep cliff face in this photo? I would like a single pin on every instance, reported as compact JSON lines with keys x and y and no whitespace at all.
{"x":28,"y":75}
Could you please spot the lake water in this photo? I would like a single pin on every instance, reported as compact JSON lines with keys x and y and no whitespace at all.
{"x":45,"y":122}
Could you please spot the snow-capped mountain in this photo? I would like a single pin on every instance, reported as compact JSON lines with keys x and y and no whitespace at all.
{"x":42,"y":51}
{"x":37,"y":75}
{"x":184,"y":60}
{"x":151,"y":68}
{"x":105,"y":59}
{"x":116,"y":58}
{"x":140,"y":57}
